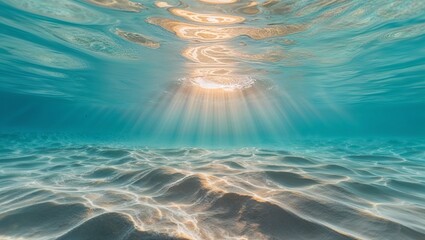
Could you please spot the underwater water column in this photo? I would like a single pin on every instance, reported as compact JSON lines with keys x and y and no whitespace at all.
{"x":212,"y":119}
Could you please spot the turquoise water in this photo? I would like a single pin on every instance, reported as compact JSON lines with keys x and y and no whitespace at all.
{"x":341,"y":68}
{"x":212,"y":119}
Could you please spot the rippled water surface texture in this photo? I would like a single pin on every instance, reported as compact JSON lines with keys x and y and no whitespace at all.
{"x":211,"y":72}
{"x":212,"y":119}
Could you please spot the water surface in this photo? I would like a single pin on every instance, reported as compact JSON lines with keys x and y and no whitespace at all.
{"x":213,"y":72}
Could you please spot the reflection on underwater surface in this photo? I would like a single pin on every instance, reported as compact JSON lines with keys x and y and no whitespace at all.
{"x":327,"y":189}
{"x":296,"y":68}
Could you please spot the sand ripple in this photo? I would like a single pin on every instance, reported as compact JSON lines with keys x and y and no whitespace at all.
{"x":68,"y":191}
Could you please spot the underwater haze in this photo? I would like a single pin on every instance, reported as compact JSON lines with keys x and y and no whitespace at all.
{"x":212,"y":119}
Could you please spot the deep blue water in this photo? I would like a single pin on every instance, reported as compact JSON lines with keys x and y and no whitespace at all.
{"x":212,"y":119}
